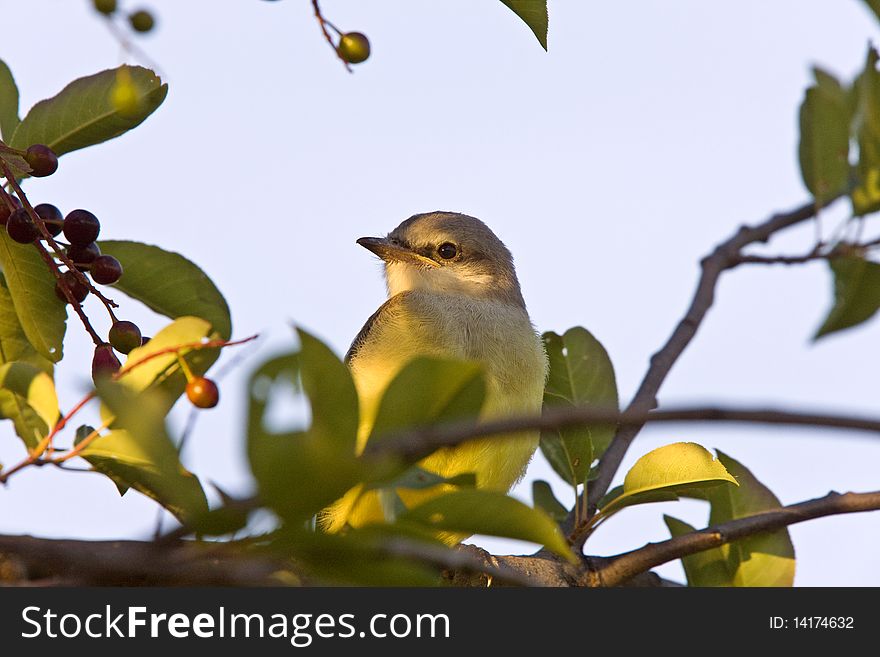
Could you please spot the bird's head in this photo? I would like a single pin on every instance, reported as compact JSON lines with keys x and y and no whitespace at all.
{"x":449,"y":253}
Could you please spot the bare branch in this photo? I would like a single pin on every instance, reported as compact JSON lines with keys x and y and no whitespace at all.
{"x":413,"y":445}
{"x":722,"y":258}
{"x":618,"y":569}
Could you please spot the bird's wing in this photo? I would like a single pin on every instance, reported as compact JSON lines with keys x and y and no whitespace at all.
{"x":362,"y":335}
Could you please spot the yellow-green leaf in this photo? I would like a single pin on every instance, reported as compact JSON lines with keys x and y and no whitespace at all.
{"x":28,"y":397}
{"x":669,"y":470}
{"x":824,"y":139}
{"x":491,"y":513}
{"x":8,"y":102}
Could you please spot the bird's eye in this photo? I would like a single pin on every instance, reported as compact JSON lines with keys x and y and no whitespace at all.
{"x":447,"y":250}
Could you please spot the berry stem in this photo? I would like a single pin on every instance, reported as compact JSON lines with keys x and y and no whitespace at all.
{"x":324,"y":23}
{"x":187,"y":372}
{"x":109,"y":304}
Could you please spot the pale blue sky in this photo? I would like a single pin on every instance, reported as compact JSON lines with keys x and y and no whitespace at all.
{"x":609,"y":166}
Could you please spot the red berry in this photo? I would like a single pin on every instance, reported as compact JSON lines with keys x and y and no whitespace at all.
{"x":104,"y":362}
{"x":42,"y":160}
{"x":21,"y":227}
{"x":125,"y":336}
{"x":51,"y":216}
{"x":105,"y":270}
{"x":5,"y":211}
{"x":77,"y":289}
{"x":202,"y":392}
{"x":81,"y":227}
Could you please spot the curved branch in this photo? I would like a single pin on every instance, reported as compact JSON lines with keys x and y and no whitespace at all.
{"x":725,"y":256}
{"x":620,"y":568}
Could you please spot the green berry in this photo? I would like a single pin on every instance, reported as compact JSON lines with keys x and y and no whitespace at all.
{"x":124,"y":336}
{"x":105,"y":7}
{"x":354,"y":47}
{"x":142,"y":21}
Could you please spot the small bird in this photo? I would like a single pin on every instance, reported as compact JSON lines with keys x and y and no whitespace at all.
{"x":452,"y":293}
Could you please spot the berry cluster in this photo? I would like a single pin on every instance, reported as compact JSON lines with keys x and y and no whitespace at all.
{"x":141,"y":20}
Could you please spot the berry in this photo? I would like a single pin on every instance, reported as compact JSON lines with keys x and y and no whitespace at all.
{"x":81,"y":227}
{"x":106,"y":269}
{"x":104,"y":362}
{"x":5,"y":211}
{"x":42,"y":160}
{"x":125,"y":336}
{"x":105,"y":7}
{"x":21,"y":227}
{"x":142,"y":21}
{"x":51,"y":216}
{"x":83,"y":255}
{"x":145,"y":340}
{"x":202,"y":392}
{"x":77,"y":289}
{"x":353,"y":47}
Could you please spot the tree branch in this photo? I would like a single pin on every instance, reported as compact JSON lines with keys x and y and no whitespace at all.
{"x":618,"y":569}
{"x":413,"y":445}
{"x":725,"y":256}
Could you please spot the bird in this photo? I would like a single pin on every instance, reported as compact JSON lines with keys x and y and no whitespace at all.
{"x":453,"y":293}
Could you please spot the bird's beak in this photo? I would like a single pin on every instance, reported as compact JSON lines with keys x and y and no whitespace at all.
{"x":391,"y":252}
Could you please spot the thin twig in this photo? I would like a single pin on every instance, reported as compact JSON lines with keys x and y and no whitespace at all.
{"x":722,"y":258}
{"x":323,"y":22}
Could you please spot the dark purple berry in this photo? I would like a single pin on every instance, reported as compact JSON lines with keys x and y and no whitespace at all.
{"x":202,"y":392}
{"x":42,"y":160}
{"x":82,"y":256}
{"x":145,"y":340}
{"x":5,"y":211}
{"x":21,"y":227}
{"x":77,"y":288}
{"x":104,"y":362}
{"x":125,"y":336}
{"x":81,"y":227}
{"x":51,"y":216}
{"x":105,"y":270}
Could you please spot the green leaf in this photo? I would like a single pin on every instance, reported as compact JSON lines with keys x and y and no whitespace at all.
{"x":299,"y":473}
{"x":866,"y":94}
{"x":14,"y":345}
{"x":82,"y":114}
{"x":543,"y":498}
{"x":706,"y":568}
{"x":163,"y":371}
{"x":765,"y":559}
{"x":491,"y":513}
{"x":137,"y":452}
{"x":824,"y":139}
{"x":534,"y":14}
{"x":856,"y":294}
{"x":430,"y":391}
{"x":8,"y":102}
{"x":668,"y":471}
{"x":32,"y":288}
{"x":181,"y":288}
{"x":581,"y":374}
{"x":416,"y":478}
{"x":28,"y":397}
